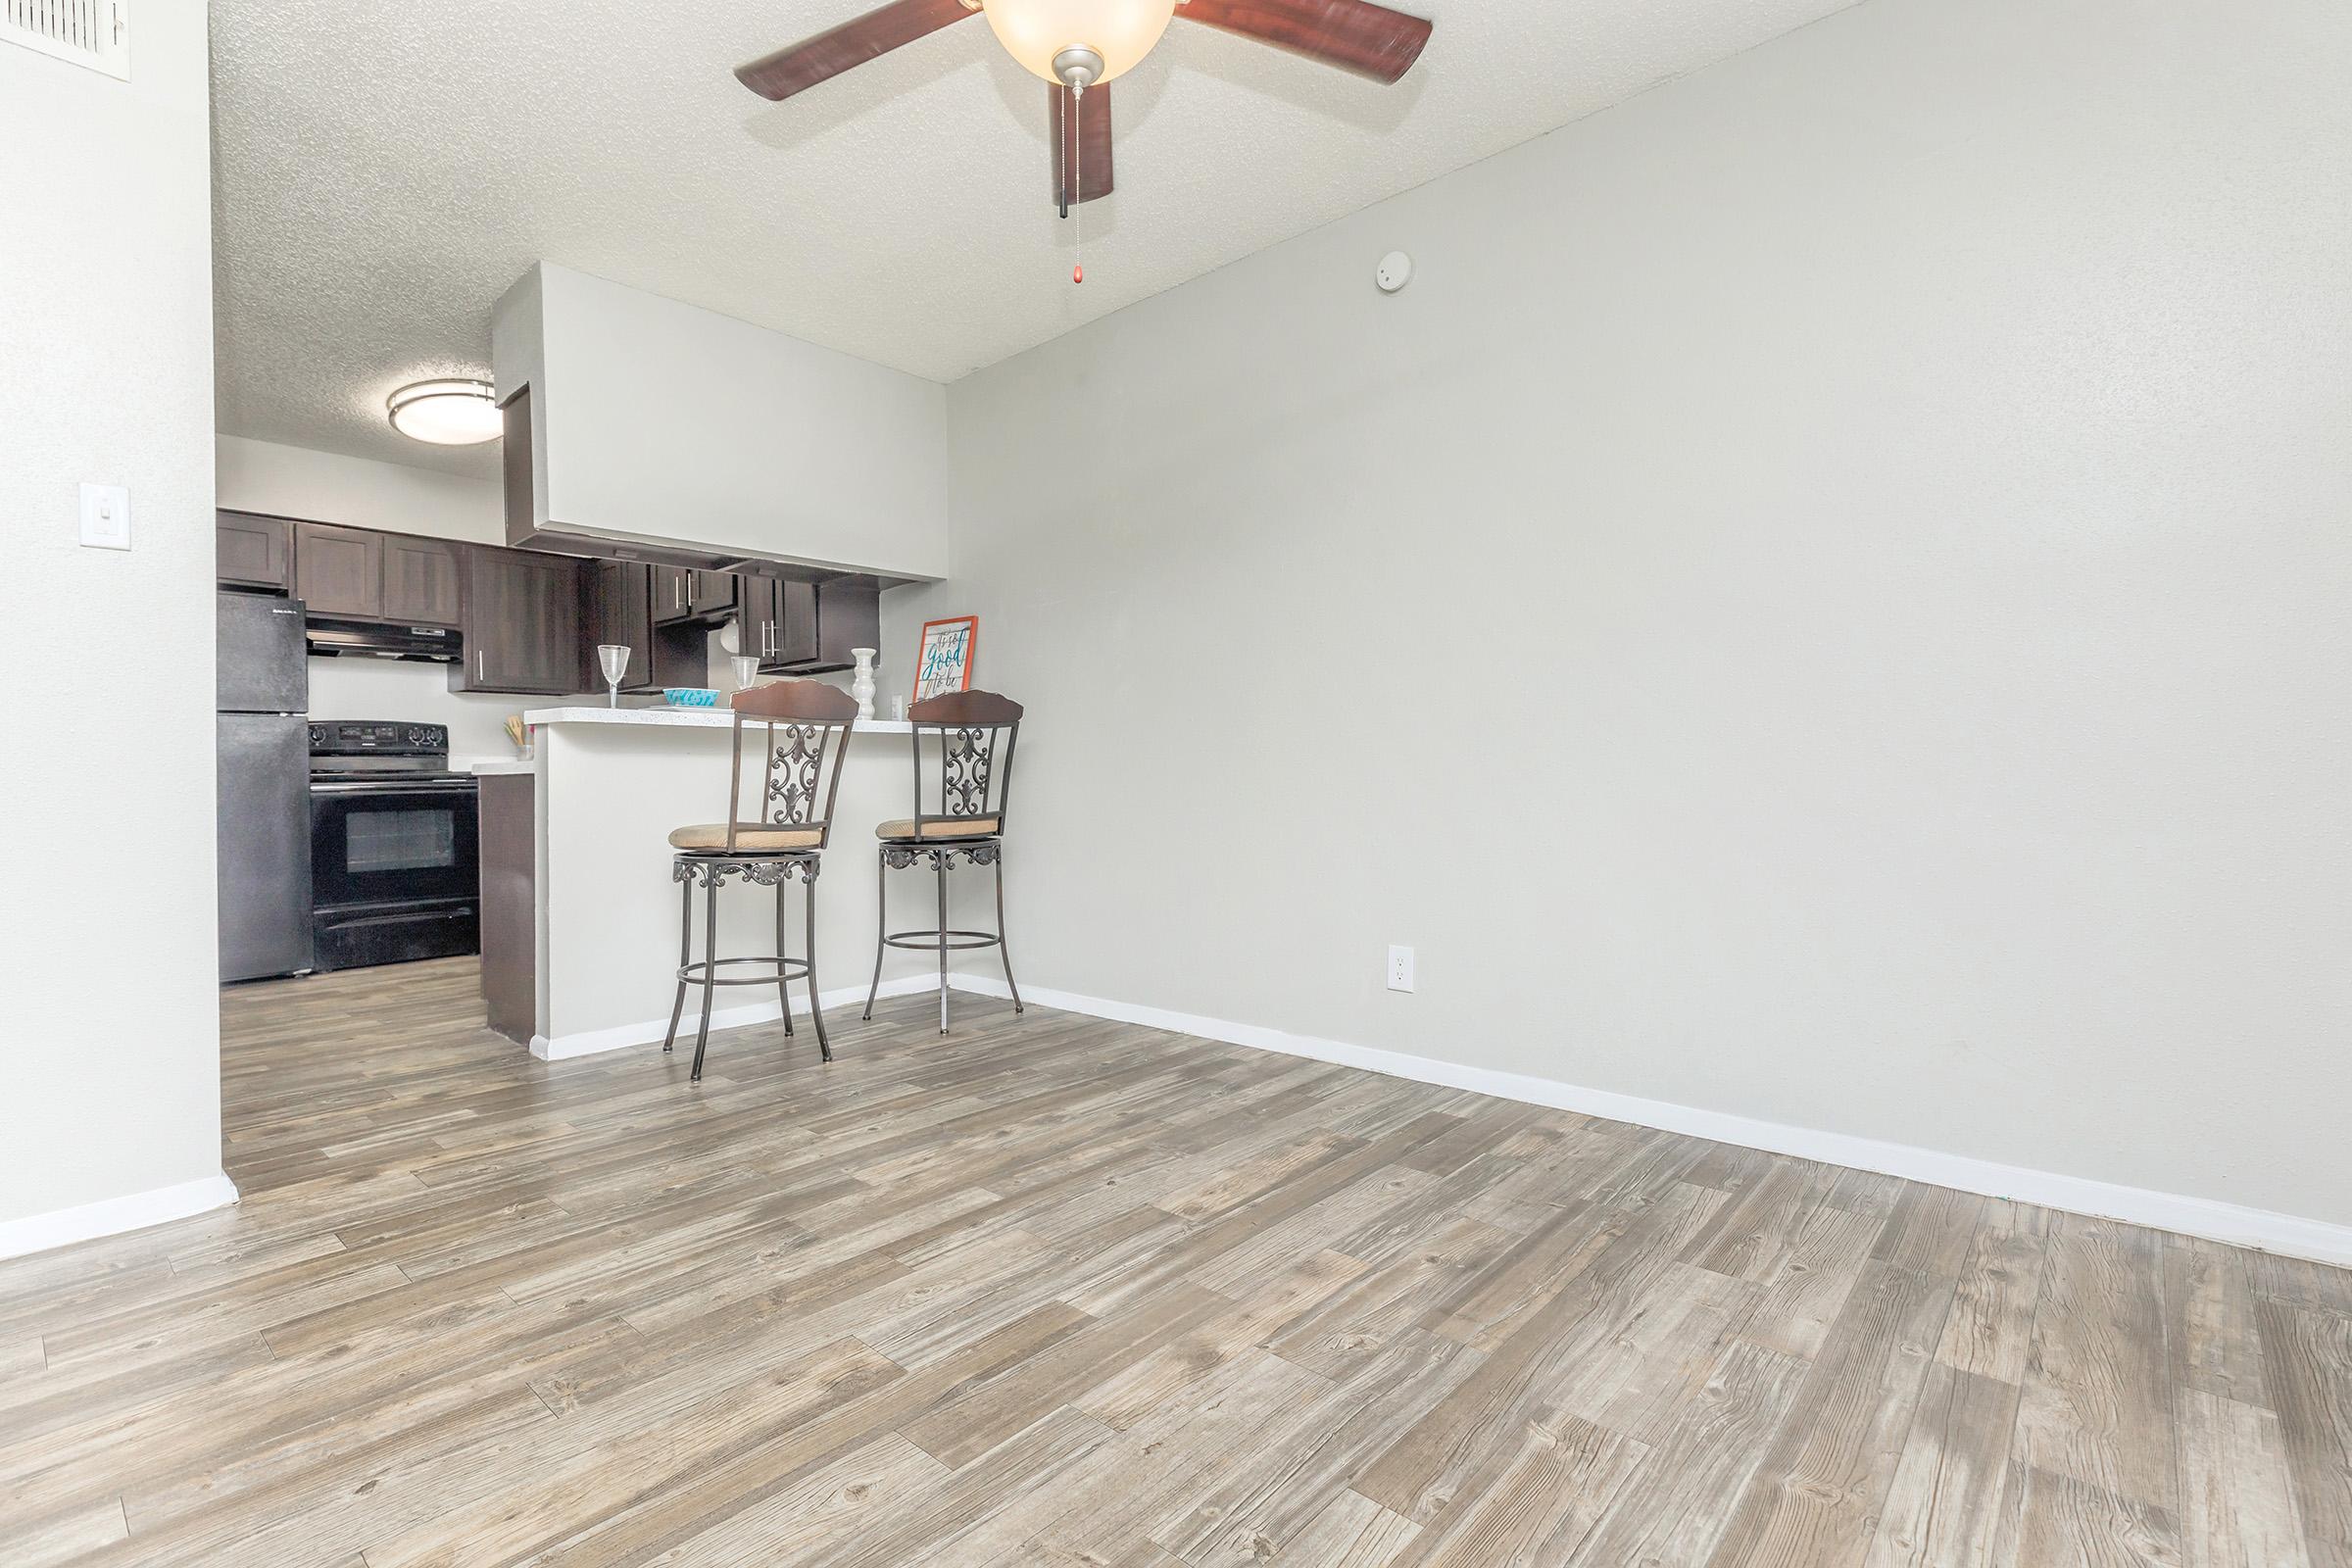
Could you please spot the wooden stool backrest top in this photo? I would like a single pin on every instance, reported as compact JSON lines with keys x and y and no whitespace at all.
{"x":805,"y":728}
{"x":973,"y":772}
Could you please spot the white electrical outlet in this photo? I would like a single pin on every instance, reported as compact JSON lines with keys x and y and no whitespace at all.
{"x":106,"y":517}
{"x":1401,"y":968}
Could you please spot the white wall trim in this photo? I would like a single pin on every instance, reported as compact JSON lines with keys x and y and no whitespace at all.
{"x":2234,"y":1223}
{"x":37,"y":1233}
{"x":591,"y":1042}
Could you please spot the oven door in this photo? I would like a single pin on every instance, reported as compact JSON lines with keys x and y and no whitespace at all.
{"x":376,"y":841}
{"x":394,"y":871}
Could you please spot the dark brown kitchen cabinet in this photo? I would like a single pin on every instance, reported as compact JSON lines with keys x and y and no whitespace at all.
{"x":420,"y":581}
{"x":802,"y":628}
{"x":848,"y":614}
{"x":791,"y":640}
{"x":621,"y":611}
{"x":339,"y":572}
{"x":673,"y":599}
{"x":710,"y":594}
{"x":683,"y":594}
{"x":523,"y":623}
{"x":253,"y":552}
{"x":755,"y":619}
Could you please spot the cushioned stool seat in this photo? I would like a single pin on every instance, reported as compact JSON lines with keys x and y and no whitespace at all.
{"x":747,"y":839}
{"x":967,"y":827}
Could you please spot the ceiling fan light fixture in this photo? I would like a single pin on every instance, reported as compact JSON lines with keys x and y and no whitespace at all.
{"x":447,"y":411}
{"x":1038,"y":32}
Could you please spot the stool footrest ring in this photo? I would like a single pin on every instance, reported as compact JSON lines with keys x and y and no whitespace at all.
{"x":778,"y":968}
{"x":928,"y":941}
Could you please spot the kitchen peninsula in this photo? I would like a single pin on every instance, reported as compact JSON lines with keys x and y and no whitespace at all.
{"x":580,"y":915}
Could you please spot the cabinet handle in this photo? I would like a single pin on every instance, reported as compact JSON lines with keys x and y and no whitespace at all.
{"x":479,"y":673}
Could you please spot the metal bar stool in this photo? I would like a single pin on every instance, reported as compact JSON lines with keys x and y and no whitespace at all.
{"x":806,"y":725}
{"x":975,"y":786}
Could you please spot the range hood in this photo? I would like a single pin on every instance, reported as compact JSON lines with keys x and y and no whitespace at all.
{"x":368,"y":639}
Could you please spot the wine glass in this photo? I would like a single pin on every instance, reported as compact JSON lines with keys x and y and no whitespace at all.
{"x":616,"y":660}
{"x":747,"y":670}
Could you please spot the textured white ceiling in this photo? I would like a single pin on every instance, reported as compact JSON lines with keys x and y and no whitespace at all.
{"x":383,"y":172}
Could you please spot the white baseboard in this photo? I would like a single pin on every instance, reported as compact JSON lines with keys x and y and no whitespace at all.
{"x":589,"y":1043}
{"x":37,"y":1233}
{"x":2240,"y":1226}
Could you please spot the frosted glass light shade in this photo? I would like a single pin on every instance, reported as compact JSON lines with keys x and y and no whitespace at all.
{"x":1122,"y":31}
{"x":455,"y":412}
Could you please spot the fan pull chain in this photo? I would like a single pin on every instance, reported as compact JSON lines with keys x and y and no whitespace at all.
{"x":1078,"y":181}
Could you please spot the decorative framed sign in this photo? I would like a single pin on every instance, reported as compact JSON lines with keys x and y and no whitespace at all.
{"x":943,"y":660}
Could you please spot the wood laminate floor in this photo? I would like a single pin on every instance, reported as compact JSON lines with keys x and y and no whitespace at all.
{"x":1061,"y":1292}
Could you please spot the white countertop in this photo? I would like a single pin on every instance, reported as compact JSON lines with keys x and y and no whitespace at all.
{"x":680,"y":718}
{"x":481,"y":765}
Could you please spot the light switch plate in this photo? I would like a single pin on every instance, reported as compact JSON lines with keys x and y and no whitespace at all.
{"x":106,"y":517}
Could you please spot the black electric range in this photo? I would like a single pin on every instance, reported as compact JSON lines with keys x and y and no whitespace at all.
{"x":395,"y":870}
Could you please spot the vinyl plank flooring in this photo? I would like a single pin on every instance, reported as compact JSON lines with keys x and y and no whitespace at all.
{"x":1350,"y":1531}
{"x":2055,"y":1521}
{"x":1675,"y":1509}
{"x":1991,"y":1326}
{"x":1944,"y":1509}
{"x":1815,"y":1499}
{"x":2098,"y":1400}
{"x":2306,"y":1356}
{"x":1059,"y":1293}
{"x":2237,"y":1508}
{"x":1546,"y":1500}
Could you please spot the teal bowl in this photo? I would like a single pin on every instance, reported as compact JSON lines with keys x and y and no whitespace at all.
{"x":690,"y":697}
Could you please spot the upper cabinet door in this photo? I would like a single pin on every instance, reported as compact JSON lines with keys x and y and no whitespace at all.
{"x":673,"y":600}
{"x":523,"y":623}
{"x":620,"y":604}
{"x":339,"y":571}
{"x":795,"y":641}
{"x":420,"y":581}
{"x":710,"y":594}
{"x":551,"y":624}
{"x":848,"y":614}
{"x":799,"y":628}
{"x":252,"y":552}
{"x":756,"y":616}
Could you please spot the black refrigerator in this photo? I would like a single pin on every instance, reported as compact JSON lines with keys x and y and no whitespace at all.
{"x":264,"y":805}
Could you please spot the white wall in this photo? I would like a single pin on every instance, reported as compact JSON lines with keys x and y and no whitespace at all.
{"x":1829,"y":599}
{"x":358,"y":492}
{"x":110,"y":1054}
{"x":659,"y":420}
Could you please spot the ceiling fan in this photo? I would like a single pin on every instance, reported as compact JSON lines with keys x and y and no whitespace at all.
{"x":1077,"y":46}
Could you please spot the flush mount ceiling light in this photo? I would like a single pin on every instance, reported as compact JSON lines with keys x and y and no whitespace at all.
{"x":1079,"y":45}
{"x":455,"y":412}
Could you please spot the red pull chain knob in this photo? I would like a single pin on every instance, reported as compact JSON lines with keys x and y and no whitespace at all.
{"x":1078,"y":273}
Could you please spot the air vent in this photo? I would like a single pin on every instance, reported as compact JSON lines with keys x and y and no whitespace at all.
{"x":89,"y":33}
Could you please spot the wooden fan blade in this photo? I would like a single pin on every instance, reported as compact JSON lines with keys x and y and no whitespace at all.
{"x":853,"y":43}
{"x":1087,"y":143}
{"x":1352,"y":34}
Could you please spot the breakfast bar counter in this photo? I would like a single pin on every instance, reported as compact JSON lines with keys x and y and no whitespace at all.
{"x":579,"y":910}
